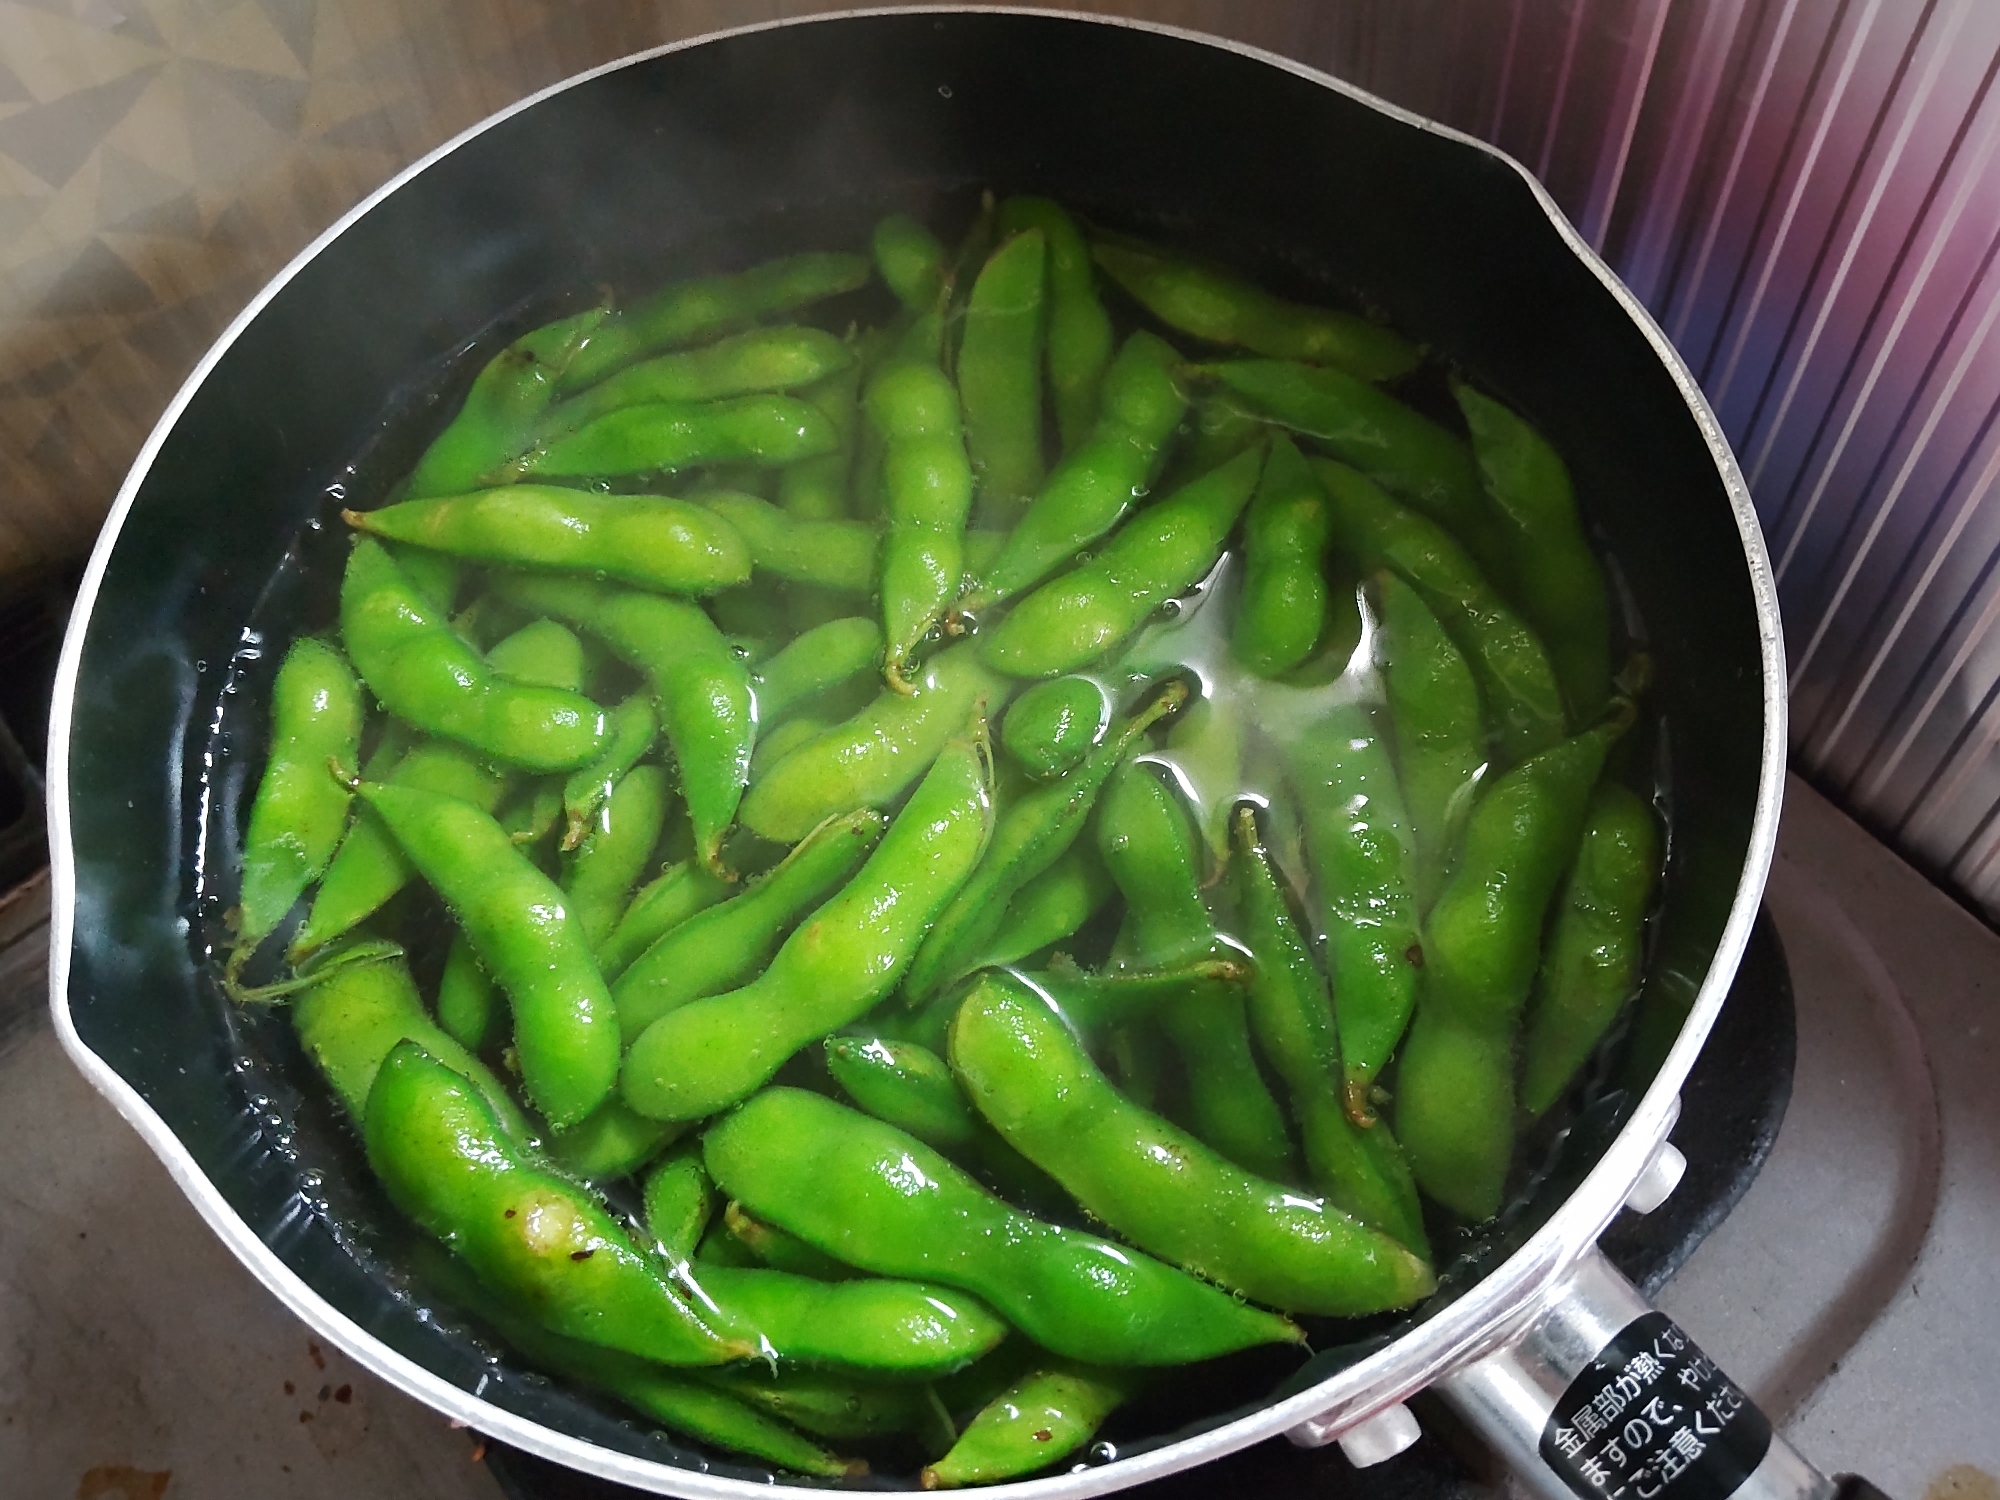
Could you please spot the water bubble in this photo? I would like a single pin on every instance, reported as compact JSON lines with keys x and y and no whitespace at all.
{"x":336,"y":492}
{"x":201,"y":665}
{"x":944,"y":91}
{"x":1103,"y":1453}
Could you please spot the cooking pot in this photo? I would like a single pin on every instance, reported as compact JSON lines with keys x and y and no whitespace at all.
{"x":799,"y":135}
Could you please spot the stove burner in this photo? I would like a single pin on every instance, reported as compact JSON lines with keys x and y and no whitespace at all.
{"x":1731,"y":1107}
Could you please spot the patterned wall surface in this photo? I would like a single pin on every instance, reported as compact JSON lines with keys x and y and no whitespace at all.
{"x":1805,"y":191}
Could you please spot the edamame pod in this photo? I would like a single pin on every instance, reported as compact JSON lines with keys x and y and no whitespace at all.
{"x":906,"y":1329}
{"x":1358,"y":843}
{"x":422,"y":671}
{"x":541,"y":654}
{"x":679,"y":1203}
{"x":1359,"y":1168}
{"x":1515,"y":679}
{"x":770,"y":1246}
{"x":658,"y":907}
{"x":1030,"y":835}
{"x":634,"y":727}
{"x":1051,"y":907}
{"x":300,"y":811}
{"x":703,"y":687}
{"x":1420,"y":462}
{"x":564,"y":1026}
{"x":752,"y":363}
{"x":598,"y":878}
{"x":906,"y":1084}
{"x":774,"y":745}
{"x":466,"y":998}
{"x":1440,"y":734}
{"x":911,"y":260}
{"x":497,"y":421}
{"x":612,"y":1141}
{"x":729,"y":944}
{"x":1591,"y":965}
{"x":664,"y":437}
{"x":1079,"y":338}
{"x":352,"y":1016}
{"x":709,"y":1054}
{"x":1163,"y":551}
{"x":1164,"y":1190}
{"x":817,"y":489}
{"x":1051,"y":727}
{"x":1455,"y":1083}
{"x":820,"y":659}
{"x":1281,"y":610}
{"x":1147,"y":845}
{"x":710,"y":306}
{"x":1093,"y":1004}
{"x":527,"y":1233}
{"x":1043,"y":1417}
{"x":1000,"y":374}
{"x":926,"y":495}
{"x":831,"y":1405}
{"x":369,"y":866}
{"x":879,"y":1199}
{"x":1100,"y":479}
{"x":1556,"y":577}
{"x":672,"y":545}
{"x":868,"y":760}
{"x":1223,"y":309}
{"x":838,"y":555}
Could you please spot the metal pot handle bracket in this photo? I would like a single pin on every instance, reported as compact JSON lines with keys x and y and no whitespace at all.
{"x":1599,"y":1396}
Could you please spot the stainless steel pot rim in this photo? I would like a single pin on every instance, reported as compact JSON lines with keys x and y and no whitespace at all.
{"x":1484,"y":1318}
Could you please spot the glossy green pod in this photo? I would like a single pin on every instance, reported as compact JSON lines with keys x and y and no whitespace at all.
{"x":908,"y":1330}
{"x":1040,"y":1419}
{"x":656,"y":908}
{"x":1079,"y":338}
{"x":1052,"y":726}
{"x":831,"y":554}
{"x":785,"y":358}
{"x":1282,"y":608}
{"x":1000,"y":374}
{"x":599,"y":876}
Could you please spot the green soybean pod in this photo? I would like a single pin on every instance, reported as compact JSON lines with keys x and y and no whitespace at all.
{"x":610,"y":1142}
{"x":1516,"y":681}
{"x":774,"y":745}
{"x":1359,"y":1168}
{"x":466,"y":997}
{"x":598,"y":878}
{"x":909,"y":1330}
{"x":1217,"y":429}
{"x":497,"y":420}
{"x":1079,"y":338}
{"x":679,"y":1401}
{"x":926,"y":496}
{"x":634,"y":727}
{"x":836,"y":555}
{"x":879,"y":1199}
{"x":1440,"y":731}
{"x":679,"y":1202}
{"x":703,"y":687}
{"x":663,"y":437}
{"x":1358,"y":844}
{"x":1165,"y":550}
{"x":1000,"y":374}
{"x":1223,"y":309}
{"x":672,"y":545}
{"x":1281,"y":612}
{"x":1455,"y":1098}
{"x":300,"y":811}
{"x":564,"y":1026}
{"x":710,"y":306}
{"x":758,"y":361}
{"x":1051,"y":727}
{"x":869,"y":760}
{"x":350,"y":1016}
{"x":1147,"y":845}
{"x":818,"y":489}
{"x":911,"y":261}
{"x":1423,"y":464}
{"x":831,"y":1406}
{"x":1041,"y":1418}
{"x":541,"y":654}
{"x":908,"y":1085}
{"x":1590,"y":967}
{"x":768,"y":1245}
{"x":822,"y":658}
{"x":369,"y":867}
{"x":1100,"y":479}
{"x":851,"y":953}
{"x":1162,"y":1189}
{"x":1557,"y":579}
{"x":657,"y":907}
{"x":528,"y":1233}
{"x":1050,"y":908}
{"x":424,"y":673}
{"x":729,"y":943}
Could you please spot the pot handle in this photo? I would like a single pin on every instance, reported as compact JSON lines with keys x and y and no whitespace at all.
{"x":1602,"y":1397}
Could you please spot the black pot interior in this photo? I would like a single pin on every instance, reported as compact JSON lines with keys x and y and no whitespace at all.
{"x":713,"y":157}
